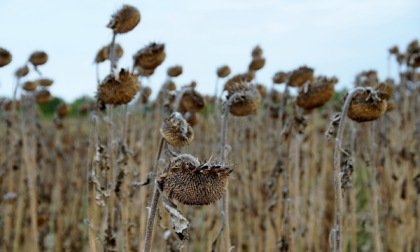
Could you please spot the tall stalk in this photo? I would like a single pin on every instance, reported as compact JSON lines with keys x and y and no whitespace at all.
{"x":338,"y":198}
{"x":91,"y":185}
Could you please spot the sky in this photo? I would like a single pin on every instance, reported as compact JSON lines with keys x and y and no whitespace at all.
{"x":340,"y":38}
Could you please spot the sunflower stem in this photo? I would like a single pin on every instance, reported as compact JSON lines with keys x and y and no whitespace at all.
{"x":338,"y":197}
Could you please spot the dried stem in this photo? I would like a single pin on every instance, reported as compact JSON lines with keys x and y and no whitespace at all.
{"x":338,"y":198}
{"x":156,"y":194}
{"x":91,"y":185}
{"x":112,"y":52}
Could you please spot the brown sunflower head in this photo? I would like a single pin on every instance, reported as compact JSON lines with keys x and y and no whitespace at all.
{"x":257,"y":52}
{"x":280,"y":77}
{"x":125,"y":19}
{"x":176,"y":131}
{"x":119,"y":89}
{"x":44,"y":82}
{"x":192,"y":118}
{"x":223,"y":71}
{"x":22,"y":71}
{"x":246,"y":101}
{"x":413,"y":58}
{"x":316,"y":93}
{"x":43,"y":96}
{"x":38,"y":58}
{"x":262,"y":90}
{"x":104,"y":52}
{"x":175,"y":71}
{"x":394,"y":50}
{"x":194,"y":183}
{"x":5,"y":57}
{"x":192,"y":101}
{"x":235,"y":81}
{"x":299,"y":76}
{"x":145,"y":94}
{"x":385,"y":91}
{"x":62,"y":110}
{"x":275,"y":96}
{"x":30,"y":86}
{"x":256,"y":64}
{"x":366,"y":106}
{"x":150,"y":56}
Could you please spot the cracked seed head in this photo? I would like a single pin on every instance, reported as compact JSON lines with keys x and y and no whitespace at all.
{"x":5,"y":57}
{"x":194,"y":183}
{"x":118,"y":90}
{"x":124,"y":20}
{"x":176,"y":131}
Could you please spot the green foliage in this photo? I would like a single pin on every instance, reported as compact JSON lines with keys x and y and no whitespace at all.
{"x":75,"y":105}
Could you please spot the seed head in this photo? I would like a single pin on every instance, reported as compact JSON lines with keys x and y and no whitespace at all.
{"x":247,"y":100}
{"x":256,"y":64}
{"x":175,"y":71}
{"x":176,"y":131}
{"x":223,"y":71}
{"x":275,"y":96}
{"x":30,"y":86}
{"x":151,"y":56}
{"x":262,"y":90}
{"x":104,"y":52}
{"x":394,"y":50}
{"x":366,"y":106}
{"x":237,"y":80}
{"x":194,"y":183}
{"x":62,"y":110}
{"x":192,"y":118}
{"x":192,"y":101}
{"x":44,"y":82}
{"x":299,"y":76}
{"x":22,"y":71}
{"x":118,"y":90}
{"x":316,"y":93}
{"x":257,"y":52}
{"x":38,"y":58}
{"x":43,"y":96}
{"x":5,"y":57}
{"x":125,"y":19}
{"x":145,"y":94}
{"x":280,"y":77}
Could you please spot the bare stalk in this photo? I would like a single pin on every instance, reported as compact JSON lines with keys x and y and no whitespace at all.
{"x":112,"y":52}
{"x":91,"y":185}
{"x":152,"y":214}
{"x":338,"y":198}
{"x":225,"y":199}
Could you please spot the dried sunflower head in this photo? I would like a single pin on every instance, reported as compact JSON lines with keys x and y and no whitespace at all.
{"x":43,"y":96}
{"x":246,"y":101}
{"x":125,"y":19}
{"x":150,"y":56}
{"x":235,"y":81}
{"x":5,"y":57}
{"x":194,"y":183}
{"x":22,"y":71}
{"x":175,"y":71}
{"x":44,"y":82}
{"x":192,"y":118}
{"x":367,"y":106}
{"x":119,"y":89}
{"x":223,"y":71}
{"x":257,"y":52}
{"x":30,"y":86}
{"x":299,"y":76}
{"x":62,"y":110}
{"x":316,"y":93}
{"x":256,"y":64}
{"x":280,"y":77}
{"x":104,"y":52}
{"x":192,"y":101}
{"x":38,"y":58}
{"x":176,"y":130}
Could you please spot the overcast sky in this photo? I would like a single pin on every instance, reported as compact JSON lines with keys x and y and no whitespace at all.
{"x":334,"y":37}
